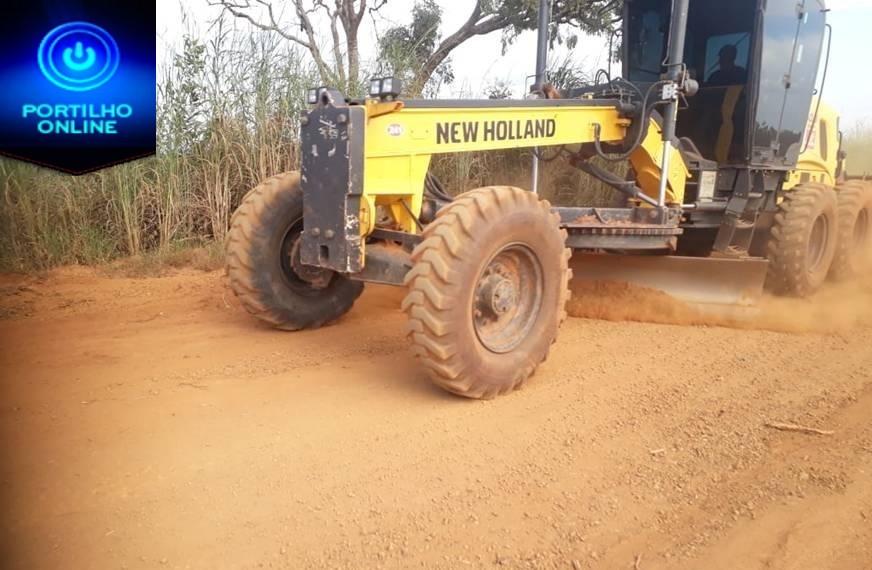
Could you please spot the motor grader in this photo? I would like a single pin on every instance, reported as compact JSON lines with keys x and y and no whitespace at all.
{"x":734,"y":168}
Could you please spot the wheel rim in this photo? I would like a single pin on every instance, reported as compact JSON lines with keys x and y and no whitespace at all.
{"x":818,"y":241}
{"x":507,"y":298}
{"x":861,"y":230}
{"x":303,"y":279}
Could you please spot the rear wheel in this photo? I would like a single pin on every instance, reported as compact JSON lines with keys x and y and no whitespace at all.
{"x":854,"y":243}
{"x":487,"y":291}
{"x":803,"y":241}
{"x":263,"y":261}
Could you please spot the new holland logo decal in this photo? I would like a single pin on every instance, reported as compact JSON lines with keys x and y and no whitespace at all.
{"x":484,"y":131}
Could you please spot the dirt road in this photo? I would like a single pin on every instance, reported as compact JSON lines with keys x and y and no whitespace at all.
{"x":152,"y":424}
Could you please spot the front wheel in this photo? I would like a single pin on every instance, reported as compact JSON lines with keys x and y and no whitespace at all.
{"x":263,"y":261}
{"x":487,"y":291}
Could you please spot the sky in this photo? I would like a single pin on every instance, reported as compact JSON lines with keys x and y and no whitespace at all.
{"x":479,"y":62}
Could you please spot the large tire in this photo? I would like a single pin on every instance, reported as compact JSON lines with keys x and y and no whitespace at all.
{"x":803,"y":240}
{"x":487,"y":291}
{"x":261,"y":267}
{"x":854,"y":243}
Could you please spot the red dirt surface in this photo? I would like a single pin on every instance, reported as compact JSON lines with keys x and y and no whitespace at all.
{"x":152,"y":424}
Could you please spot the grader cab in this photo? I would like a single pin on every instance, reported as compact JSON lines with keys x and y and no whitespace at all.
{"x":714,"y":114}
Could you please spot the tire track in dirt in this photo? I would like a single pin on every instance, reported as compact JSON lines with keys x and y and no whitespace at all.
{"x":199,"y":439}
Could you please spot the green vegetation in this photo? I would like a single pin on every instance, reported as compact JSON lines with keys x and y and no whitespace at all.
{"x":227,"y":118}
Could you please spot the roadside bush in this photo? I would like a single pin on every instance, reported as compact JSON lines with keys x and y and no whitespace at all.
{"x":227,"y":118}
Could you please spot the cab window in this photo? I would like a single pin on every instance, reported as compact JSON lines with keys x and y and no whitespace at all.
{"x":824,"y":141}
{"x":726,"y":60}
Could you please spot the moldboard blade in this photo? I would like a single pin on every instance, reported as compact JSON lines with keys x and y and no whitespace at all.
{"x":724,"y":286}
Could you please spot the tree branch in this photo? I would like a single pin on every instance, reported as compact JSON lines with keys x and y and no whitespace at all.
{"x":379,"y":4}
{"x":361,"y":10}
{"x":306,"y":23}
{"x":337,"y":43}
{"x":472,"y":27}
{"x":239,"y":9}
{"x":236,"y":9}
{"x":482,"y":22}
{"x":351,"y":18}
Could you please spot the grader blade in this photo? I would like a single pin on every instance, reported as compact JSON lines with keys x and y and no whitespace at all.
{"x":712,"y":285}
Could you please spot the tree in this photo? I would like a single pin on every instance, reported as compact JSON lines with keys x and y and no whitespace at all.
{"x":344,"y":69}
{"x":420,"y":42}
{"x":404,"y":49}
{"x":515,"y":16}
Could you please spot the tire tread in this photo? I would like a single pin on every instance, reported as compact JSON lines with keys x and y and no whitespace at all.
{"x":247,"y":225}
{"x":432,"y":286}
{"x":787,"y":248}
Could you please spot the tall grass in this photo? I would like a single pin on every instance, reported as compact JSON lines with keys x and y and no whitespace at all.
{"x":559,"y":182}
{"x":858,"y":144}
{"x":227,"y":118}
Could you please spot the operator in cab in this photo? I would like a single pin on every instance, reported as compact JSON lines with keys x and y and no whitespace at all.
{"x":728,"y":73}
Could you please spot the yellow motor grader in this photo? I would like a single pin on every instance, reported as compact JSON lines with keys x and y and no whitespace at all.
{"x":735,"y":170}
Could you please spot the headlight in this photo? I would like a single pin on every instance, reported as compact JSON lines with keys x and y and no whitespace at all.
{"x":314,"y":95}
{"x":375,"y":88}
{"x":391,"y":87}
{"x":385,"y":87}
{"x":708,"y":180}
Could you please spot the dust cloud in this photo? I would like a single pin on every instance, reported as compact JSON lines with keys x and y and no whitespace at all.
{"x":838,"y":307}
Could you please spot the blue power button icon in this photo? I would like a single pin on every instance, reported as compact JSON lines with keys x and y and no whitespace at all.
{"x":78,"y":56}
